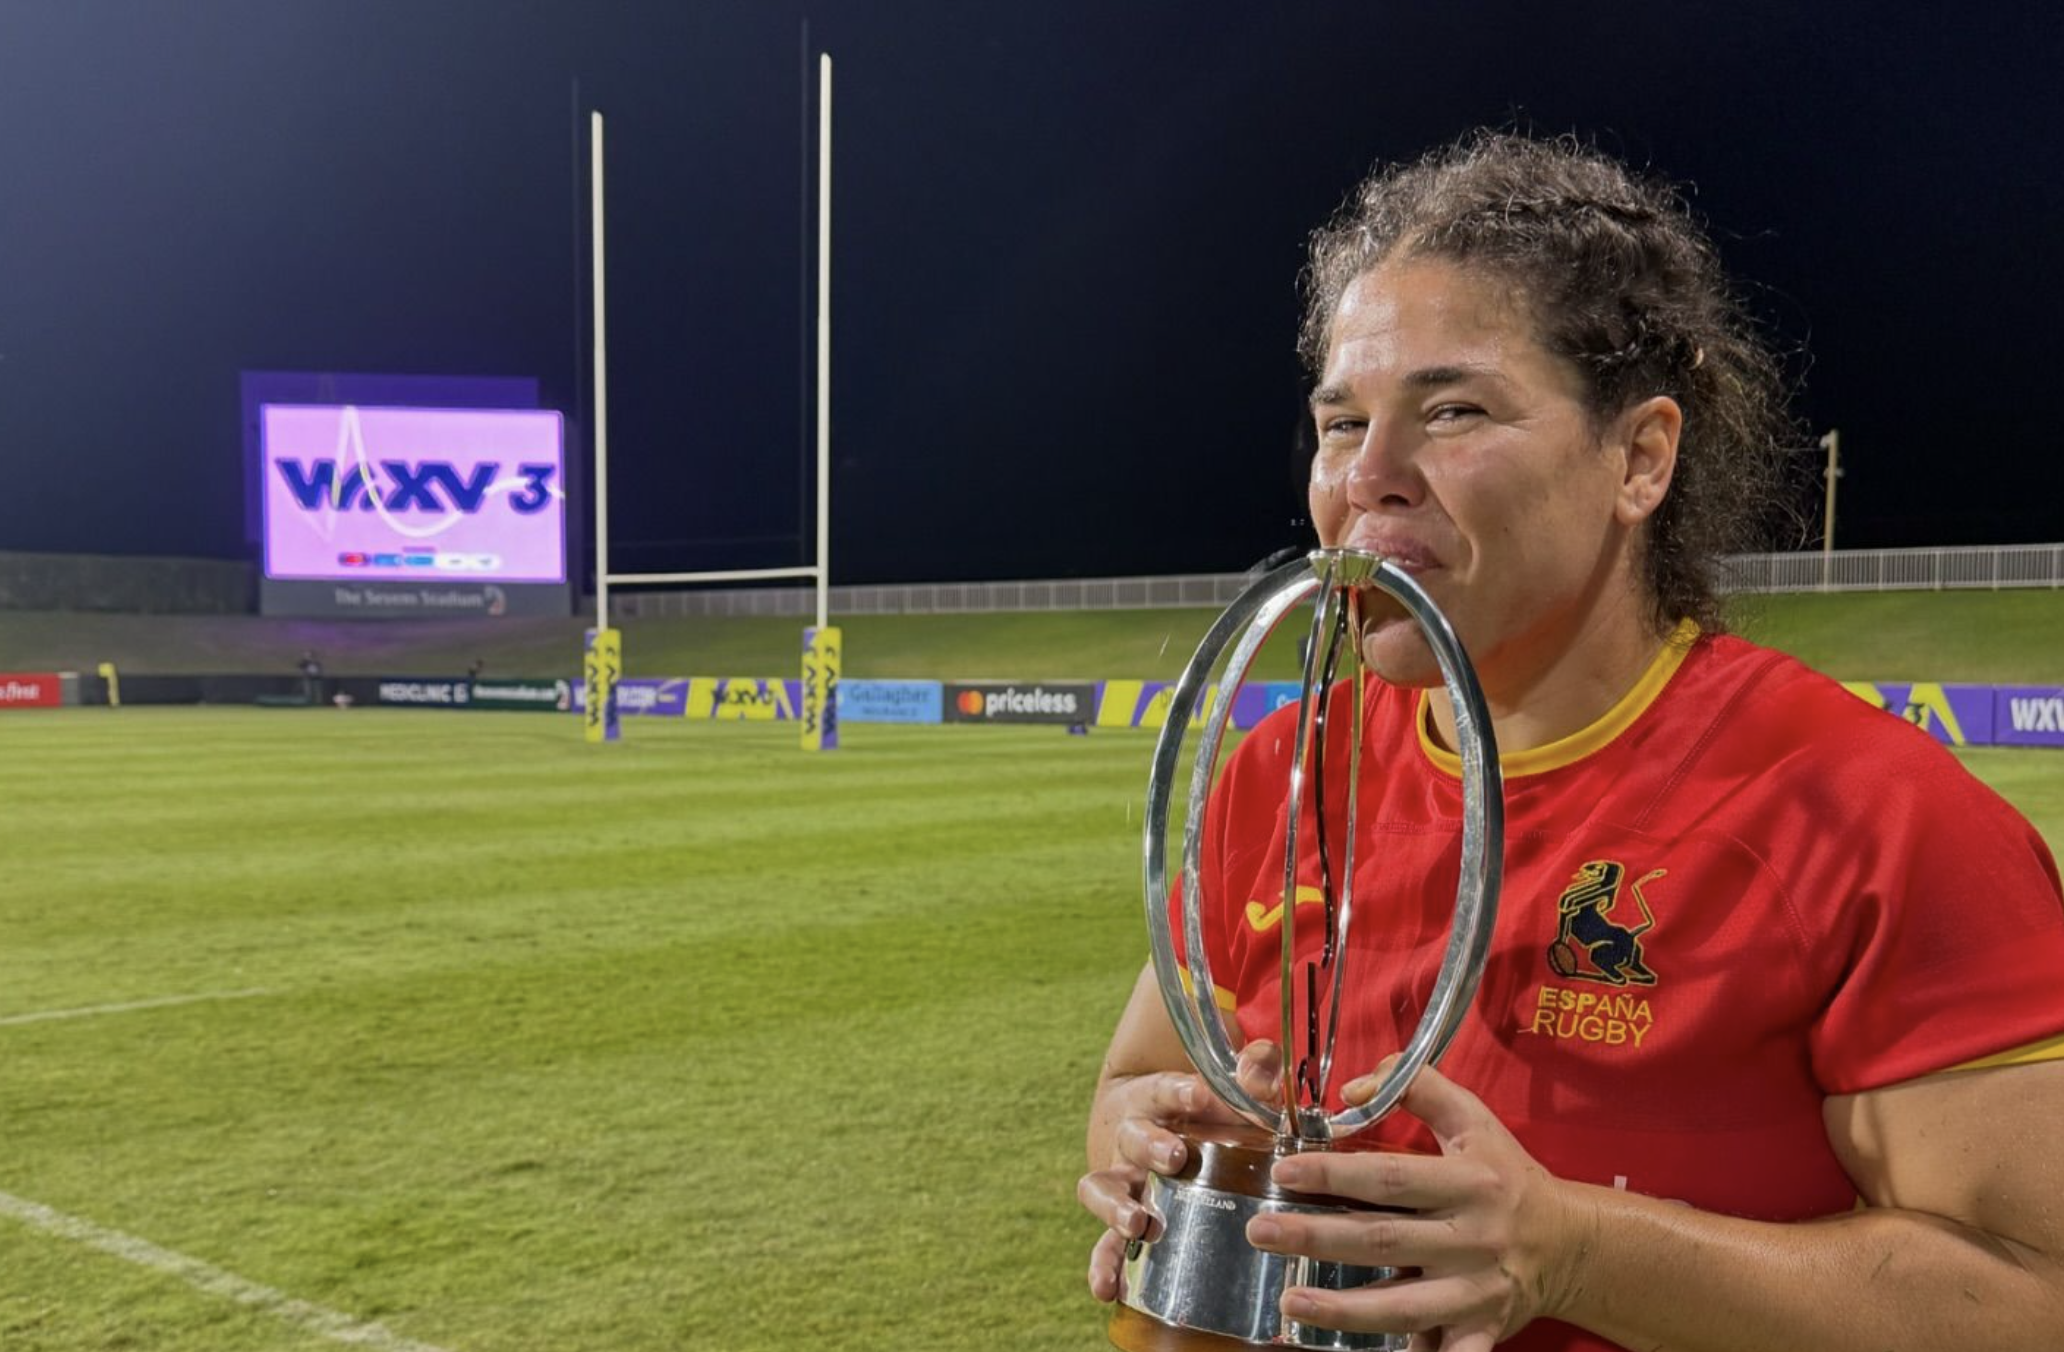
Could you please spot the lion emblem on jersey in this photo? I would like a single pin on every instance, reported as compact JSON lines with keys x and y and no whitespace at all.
{"x":1591,"y":942}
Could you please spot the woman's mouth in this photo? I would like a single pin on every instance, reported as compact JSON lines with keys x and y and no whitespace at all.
{"x":1409,"y":555}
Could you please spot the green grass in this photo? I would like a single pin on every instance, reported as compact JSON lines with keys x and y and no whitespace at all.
{"x":2005,"y":637}
{"x":696,"y":1042}
{"x":1057,"y":645}
{"x":693,"y":1042}
{"x":2032,"y":780}
{"x":2011,"y":636}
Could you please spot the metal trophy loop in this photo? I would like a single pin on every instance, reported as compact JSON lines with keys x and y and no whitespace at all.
{"x":1200,"y":1284}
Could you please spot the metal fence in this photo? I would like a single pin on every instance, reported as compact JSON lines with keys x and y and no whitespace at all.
{"x":1972,"y":567}
{"x":1203,"y":590}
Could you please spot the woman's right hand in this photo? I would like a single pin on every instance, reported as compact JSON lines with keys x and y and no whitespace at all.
{"x":1142,"y":1112}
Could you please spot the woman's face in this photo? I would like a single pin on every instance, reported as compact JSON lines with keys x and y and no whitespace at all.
{"x":1451,"y":442}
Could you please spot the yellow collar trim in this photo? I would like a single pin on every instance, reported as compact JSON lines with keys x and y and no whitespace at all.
{"x":1581,"y":743}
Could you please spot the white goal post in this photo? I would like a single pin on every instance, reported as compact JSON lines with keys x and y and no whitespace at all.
{"x":600,"y":701}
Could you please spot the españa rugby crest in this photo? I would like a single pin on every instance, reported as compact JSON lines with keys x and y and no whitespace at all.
{"x":1599,"y":923}
{"x":1594,"y":940}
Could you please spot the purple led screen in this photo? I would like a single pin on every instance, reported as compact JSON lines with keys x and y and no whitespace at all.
{"x":413,"y":494}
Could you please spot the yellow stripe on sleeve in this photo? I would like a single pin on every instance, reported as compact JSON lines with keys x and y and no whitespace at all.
{"x":2049,"y":1049}
{"x":1220,"y":996}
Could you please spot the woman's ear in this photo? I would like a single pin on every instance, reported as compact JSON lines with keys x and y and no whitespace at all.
{"x":1650,"y":431}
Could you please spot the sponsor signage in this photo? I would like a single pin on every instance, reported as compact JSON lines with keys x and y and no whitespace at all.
{"x":2028,"y":715}
{"x":889,"y":701}
{"x":1019,"y":701}
{"x":823,"y":659}
{"x":31,"y":689}
{"x":415,"y":495}
{"x":1273,"y":695}
{"x":1144,"y":704}
{"x":645,"y":695}
{"x":743,"y":698}
{"x":428,"y":599}
{"x":514,"y":694}
{"x":425,"y":692}
{"x":723,"y":698}
{"x":1955,"y":715}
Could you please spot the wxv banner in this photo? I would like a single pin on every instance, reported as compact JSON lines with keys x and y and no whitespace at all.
{"x":411,"y":494}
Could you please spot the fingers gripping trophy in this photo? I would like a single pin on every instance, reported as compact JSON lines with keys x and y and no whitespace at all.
{"x":1198,"y":1284}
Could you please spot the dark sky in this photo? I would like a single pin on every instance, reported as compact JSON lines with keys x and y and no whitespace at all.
{"x":1066,"y":242}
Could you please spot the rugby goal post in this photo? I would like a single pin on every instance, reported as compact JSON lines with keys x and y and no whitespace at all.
{"x":822,"y":646}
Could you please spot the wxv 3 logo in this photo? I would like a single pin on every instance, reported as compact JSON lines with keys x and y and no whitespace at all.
{"x":424,"y":486}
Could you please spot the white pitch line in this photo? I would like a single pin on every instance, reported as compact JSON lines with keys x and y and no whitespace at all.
{"x":331,"y":1324}
{"x":87,"y":1011}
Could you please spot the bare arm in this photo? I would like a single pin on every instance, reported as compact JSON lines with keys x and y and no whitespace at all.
{"x":1958,"y":1245}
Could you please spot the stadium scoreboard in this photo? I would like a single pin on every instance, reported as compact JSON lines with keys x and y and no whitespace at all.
{"x":410,"y":512}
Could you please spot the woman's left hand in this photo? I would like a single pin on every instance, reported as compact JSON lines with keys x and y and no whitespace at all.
{"x":1497,"y":1239}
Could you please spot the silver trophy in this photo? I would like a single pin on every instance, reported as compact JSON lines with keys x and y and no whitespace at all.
{"x":1199,"y":1284}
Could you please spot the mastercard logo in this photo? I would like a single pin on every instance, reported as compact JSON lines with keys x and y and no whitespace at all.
{"x":970,"y":701}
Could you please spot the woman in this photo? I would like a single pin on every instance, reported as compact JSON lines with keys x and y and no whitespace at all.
{"x":1765,"y":1054}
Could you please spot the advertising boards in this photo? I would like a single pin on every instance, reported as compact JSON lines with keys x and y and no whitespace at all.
{"x":425,"y":692}
{"x":411,"y":512}
{"x":1144,"y":704}
{"x":549,"y":696}
{"x":1066,"y":702}
{"x":2028,"y":715}
{"x":744,"y":698}
{"x":889,"y":701}
{"x":31,"y":689}
{"x":644,"y":695}
{"x":1955,"y":715}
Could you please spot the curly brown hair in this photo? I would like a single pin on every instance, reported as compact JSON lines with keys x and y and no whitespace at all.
{"x":1621,"y":282}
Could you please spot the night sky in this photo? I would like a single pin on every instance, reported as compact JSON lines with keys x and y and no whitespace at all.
{"x":1066,"y":243}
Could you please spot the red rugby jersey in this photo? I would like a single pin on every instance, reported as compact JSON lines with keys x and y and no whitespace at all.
{"x":1741,"y":891}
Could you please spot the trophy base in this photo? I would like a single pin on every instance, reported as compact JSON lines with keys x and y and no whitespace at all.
{"x":1132,"y":1331}
{"x":1201,"y":1287}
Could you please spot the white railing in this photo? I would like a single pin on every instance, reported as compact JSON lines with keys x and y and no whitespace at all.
{"x":1203,"y":590}
{"x":1962,"y":567}
{"x":1971,"y":567}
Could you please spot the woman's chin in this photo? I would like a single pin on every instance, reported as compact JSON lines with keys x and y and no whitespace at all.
{"x":1397,"y":652}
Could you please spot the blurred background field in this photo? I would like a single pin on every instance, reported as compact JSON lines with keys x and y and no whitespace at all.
{"x":689,"y":1042}
{"x":1984,"y":636}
